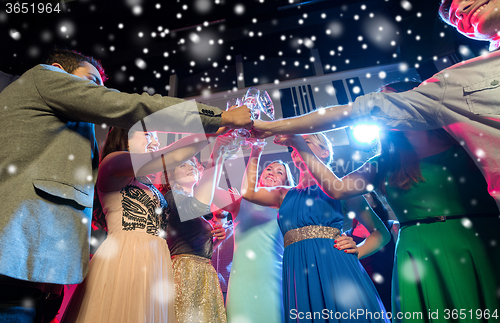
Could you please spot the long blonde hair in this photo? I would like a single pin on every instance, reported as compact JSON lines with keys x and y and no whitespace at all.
{"x":321,"y":140}
{"x":289,"y":177}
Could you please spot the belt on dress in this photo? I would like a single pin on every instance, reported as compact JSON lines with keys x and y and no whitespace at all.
{"x":444,"y":218}
{"x":192,"y":257}
{"x":310,"y":232}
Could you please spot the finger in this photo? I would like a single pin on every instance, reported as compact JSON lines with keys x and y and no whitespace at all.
{"x":345,"y":245}
{"x":344,"y":238}
{"x":351,"y":251}
{"x":278,"y":140}
{"x":342,"y":246}
{"x":222,"y":131}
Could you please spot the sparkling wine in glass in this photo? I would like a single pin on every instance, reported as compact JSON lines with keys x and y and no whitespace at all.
{"x":251,"y":102}
{"x":266,"y":104}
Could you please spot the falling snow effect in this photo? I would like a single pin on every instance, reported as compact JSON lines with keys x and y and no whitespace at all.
{"x":66,"y":29}
{"x":250,"y":254}
{"x":140,"y":63}
{"x":407,"y":272}
{"x":15,"y":34}
{"x":11,"y":169}
{"x":207,"y":49}
{"x":82,"y":175}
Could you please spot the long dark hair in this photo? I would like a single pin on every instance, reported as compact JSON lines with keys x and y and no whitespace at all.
{"x":166,"y":174}
{"x":116,"y":140}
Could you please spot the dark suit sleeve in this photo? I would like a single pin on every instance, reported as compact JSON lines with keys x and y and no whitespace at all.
{"x":82,"y":100}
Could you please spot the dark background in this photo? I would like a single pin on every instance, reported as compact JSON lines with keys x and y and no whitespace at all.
{"x":204,"y":32}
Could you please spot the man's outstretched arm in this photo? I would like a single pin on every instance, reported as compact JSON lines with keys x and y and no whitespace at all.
{"x":323,"y":119}
{"x":417,"y":109}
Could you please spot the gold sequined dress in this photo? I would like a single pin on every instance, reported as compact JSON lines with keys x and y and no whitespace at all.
{"x":130,"y":277}
{"x":198,"y":296}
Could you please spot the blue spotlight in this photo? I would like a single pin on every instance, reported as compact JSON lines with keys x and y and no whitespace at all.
{"x":365,"y":133}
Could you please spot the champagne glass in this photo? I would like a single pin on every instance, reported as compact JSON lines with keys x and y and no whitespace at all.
{"x":251,"y":102}
{"x":230,"y":150}
{"x":266,"y":104}
{"x":230,"y":103}
{"x":256,"y":100}
{"x":259,"y":142}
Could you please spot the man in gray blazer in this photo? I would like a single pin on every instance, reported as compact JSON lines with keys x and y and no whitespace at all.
{"x":48,"y":166}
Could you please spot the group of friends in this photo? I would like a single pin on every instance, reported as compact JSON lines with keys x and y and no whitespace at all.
{"x":439,"y":172}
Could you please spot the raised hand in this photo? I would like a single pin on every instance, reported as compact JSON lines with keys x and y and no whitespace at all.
{"x":234,"y":191}
{"x":217,"y":150}
{"x":287,"y":140}
{"x":219,"y":232}
{"x":262,"y":129}
{"x":239,"y":117}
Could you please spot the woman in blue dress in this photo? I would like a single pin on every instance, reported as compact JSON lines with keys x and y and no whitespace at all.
{"x":323,"y":280}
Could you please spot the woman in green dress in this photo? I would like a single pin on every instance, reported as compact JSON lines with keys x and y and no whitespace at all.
{"x":447,"y":264}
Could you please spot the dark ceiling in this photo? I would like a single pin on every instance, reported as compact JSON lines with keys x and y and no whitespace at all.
{"x":142,"y":43}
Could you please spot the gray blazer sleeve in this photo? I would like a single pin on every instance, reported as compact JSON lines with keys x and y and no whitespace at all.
{"x":81,"y":100}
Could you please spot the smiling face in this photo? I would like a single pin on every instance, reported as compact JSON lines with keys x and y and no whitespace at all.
{"x":274,"y":175}
{"x":143,"y":142}
{"x":185,"y":175}
{"x":479,"y":19}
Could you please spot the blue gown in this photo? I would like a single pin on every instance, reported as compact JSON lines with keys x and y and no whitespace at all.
{"x":321,"y":283}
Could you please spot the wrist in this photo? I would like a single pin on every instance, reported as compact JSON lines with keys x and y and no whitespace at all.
{"x":277,"y":127}
{"x":226,"y":119}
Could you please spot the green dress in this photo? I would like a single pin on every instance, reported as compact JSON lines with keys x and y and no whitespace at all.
{"x":255,"y":291}
{"x":451,"y":265}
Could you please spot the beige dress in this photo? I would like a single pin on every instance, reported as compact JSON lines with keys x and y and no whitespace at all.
{"x":130,"y":276}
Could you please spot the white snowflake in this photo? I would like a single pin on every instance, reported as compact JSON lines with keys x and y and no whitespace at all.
{"x":61,"y":245}
{"x":239,"y":9}
{"x":140,"y":63}
{"x":14,"y":34}
{"x":250,"y":254}
{"x":406,"y":5}
{"x":11,"y":169}
{"x":378,"y":278}
{"x":408,"y":270}
{"x":466,"y":223}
